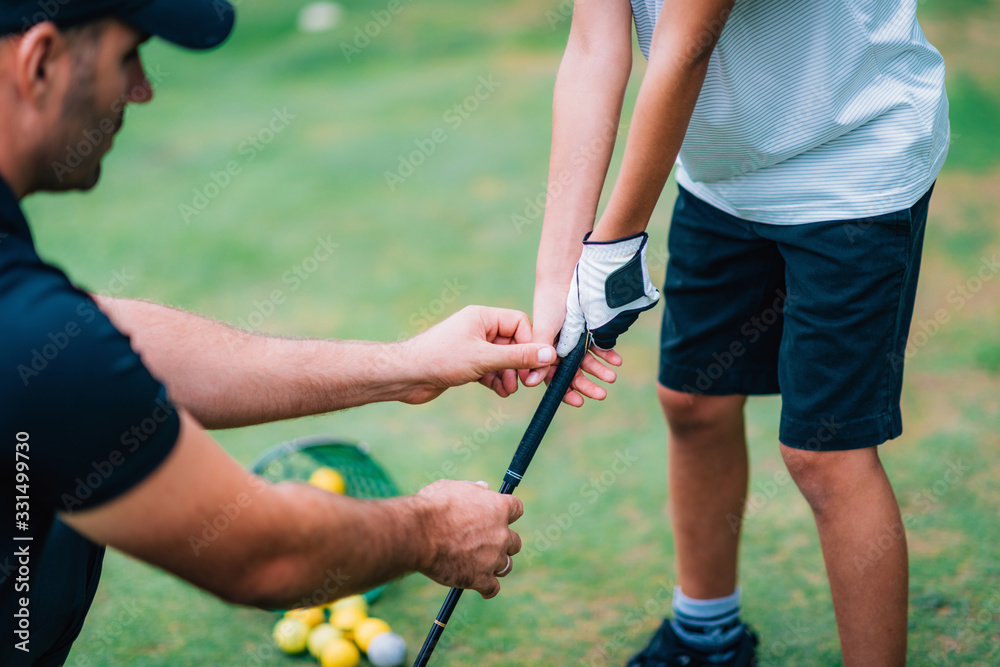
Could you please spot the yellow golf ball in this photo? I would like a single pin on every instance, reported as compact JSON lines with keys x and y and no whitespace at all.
{"x":290,"y":635}
{"x":358,"y":601}
{"x":320,"y":636}
{"x":367,"y":630}
{"x":311,"y":616}
{"x":347,"y":619}
{"x":340,"y":653}
{"x":328,"y":479}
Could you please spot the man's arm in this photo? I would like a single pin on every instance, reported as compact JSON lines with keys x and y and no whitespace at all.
{"x":276,"y":545}
{"x":227,"y":377}
{"x":586,"y":110}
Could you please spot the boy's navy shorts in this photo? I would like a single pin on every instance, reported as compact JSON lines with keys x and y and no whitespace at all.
{"x":817,"y":312}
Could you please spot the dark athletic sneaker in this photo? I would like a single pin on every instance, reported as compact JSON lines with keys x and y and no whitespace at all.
{"x":666,"y":650}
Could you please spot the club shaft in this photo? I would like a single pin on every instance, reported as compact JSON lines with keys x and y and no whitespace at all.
{"x":438,"y":628}
{"x":540,"y":421}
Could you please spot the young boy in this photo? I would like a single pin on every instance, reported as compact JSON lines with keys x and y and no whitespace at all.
{"x":808,"y":137}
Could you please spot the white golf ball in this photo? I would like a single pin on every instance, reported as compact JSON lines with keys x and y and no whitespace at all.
{"x":319,"y":17}
{"x":387,"y":650}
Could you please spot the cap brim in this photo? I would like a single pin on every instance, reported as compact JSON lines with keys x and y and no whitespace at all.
{"x":193,"y":24}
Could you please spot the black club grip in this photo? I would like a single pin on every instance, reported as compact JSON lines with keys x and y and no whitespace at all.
{"x":561,"y":380}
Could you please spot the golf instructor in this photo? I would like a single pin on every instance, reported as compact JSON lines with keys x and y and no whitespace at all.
{"x":104,"y":403}
{"x":809,"y":135}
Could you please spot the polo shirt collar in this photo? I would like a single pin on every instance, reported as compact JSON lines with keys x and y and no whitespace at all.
{"x":12,"y":218}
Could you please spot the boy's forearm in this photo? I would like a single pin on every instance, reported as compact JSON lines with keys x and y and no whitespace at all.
{"x":678,"y":62}
{"x":587,"y":104}
{"x":662,"y":113}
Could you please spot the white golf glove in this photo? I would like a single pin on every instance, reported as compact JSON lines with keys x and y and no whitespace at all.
{"x":610,"y":288}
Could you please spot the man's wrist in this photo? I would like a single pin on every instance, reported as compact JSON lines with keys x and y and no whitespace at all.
{"x":389,"y":372}
{"x":417,"y":522}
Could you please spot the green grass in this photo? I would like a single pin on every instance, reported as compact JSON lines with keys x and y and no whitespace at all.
{"x":585,"y":592}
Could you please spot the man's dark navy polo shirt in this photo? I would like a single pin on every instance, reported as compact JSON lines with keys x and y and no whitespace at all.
{"x":81,"y":422}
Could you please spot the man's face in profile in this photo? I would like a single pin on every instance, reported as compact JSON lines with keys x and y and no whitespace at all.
{"x":107,"y":76}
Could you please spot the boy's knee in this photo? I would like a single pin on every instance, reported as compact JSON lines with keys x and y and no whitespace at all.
{"x":691,"y":412}
{"x":821,"y":476}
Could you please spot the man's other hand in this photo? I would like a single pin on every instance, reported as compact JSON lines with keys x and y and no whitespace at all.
{"x":467,"y":526}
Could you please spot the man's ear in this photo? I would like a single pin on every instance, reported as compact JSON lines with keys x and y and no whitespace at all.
{"x":40,"y":60}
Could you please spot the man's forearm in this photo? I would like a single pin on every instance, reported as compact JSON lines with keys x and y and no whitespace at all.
{"x":227,"y":377}
{"x":201,"y":516}
{"x":370,"y":542}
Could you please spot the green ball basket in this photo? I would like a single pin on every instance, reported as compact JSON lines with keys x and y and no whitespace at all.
{"x":298,"y":459}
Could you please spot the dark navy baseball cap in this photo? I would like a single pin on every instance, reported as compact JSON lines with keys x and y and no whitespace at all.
{"x":193,"y":24}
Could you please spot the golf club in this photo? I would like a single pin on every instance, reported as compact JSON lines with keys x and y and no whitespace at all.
{"x":561,"y":380}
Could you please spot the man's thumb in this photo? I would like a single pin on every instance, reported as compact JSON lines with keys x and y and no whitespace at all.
{"x":527,"y":355}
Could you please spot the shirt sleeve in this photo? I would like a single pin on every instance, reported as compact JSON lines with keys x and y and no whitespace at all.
{"x":98,"y":421}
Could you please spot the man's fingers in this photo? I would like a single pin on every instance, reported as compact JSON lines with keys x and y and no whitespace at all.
{"x":508,"y":379}
{"x":494,"y":383}
{"x":515,"y":509}
{"x":491,"y":589}
{"x":506,"y":567}
{"x":539,"y":375}
{"x":533,"y":378}
{"x":515,"y":544}
{"x":507,"y":323}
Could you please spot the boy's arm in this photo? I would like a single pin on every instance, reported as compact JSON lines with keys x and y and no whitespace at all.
{"x":685,"y":37}
{"x":682,"y":43}
{"x":586,"y":110}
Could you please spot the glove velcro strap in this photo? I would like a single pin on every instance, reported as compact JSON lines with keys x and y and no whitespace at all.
{"x":612,"y":250}
{"x":626,"y":284}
